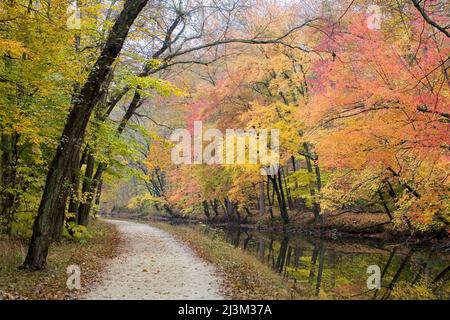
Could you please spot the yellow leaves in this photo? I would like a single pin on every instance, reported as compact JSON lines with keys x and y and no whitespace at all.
{"x":153,"y":64}
{"x":161,"y":87}
{"x":25,"y":127}
{"x":244,"y":184}
{"x":275,"y":116}
{"x":159,"y":155}
{"x":143,"y":199}
{"x":12,"y":48}
{"x":422,"y":290}
{"x":40,"y":61}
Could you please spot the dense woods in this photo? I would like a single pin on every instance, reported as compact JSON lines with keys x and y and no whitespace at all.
{"x":91,"y":90}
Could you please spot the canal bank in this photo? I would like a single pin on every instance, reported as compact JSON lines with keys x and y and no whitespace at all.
{"x":277,"y":265}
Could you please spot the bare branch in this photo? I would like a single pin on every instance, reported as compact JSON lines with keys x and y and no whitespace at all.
{"x":427,"y":18}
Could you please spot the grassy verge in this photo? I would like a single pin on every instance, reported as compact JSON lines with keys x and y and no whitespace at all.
{"x":245,"y":276}
{"x":88,"y":254}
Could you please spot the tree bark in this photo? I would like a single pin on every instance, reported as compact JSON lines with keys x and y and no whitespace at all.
{"x":315,"y":206}
{"x":8,"y":170}
{"x":280,"y":199}
{"x":383,"y":201}
{"x":215,"y":206}
{"x":404,"y":184}
{"x":229,"y":208}
{"x":74,"y":202}
{"x":270,"y":198}
{"x":286,"y":187}
{"x":262,"y":206}
{"x":261,"y":249}
{"x":320,"y":271}
{"x":98,"y":194}
{"x":84,"y":208}
{"x":314,"y":255}
{"x":206,"y":209}
{"x":282,"y":254}
{"x":394,"y":197}
{"x":61,"y":168}
{"x":134,"y":105}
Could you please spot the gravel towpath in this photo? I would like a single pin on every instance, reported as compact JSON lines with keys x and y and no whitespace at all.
{"x":154,"y":265}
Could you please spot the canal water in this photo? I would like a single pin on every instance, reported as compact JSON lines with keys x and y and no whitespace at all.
{"x":345,"y":269}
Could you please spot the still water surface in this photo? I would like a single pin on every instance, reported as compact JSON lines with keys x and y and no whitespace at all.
{"x":337,"y":269}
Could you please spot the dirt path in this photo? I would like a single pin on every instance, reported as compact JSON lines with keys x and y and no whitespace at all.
{"x":154,"y":265}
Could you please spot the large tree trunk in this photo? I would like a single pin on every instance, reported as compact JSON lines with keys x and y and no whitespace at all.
{"x":61,"y":168}
{"x":59,"y":222}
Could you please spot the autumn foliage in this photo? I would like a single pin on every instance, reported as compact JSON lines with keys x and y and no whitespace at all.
{"x":368,"y":107}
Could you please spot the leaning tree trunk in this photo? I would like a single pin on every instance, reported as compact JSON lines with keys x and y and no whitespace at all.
{"x":134,"y":105}
{"x":90,"y":184}
{"x":61,"y":168}
{"x":60,"y":220}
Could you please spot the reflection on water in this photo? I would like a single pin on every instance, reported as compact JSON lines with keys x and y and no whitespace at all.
{"x":338,"y":269}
